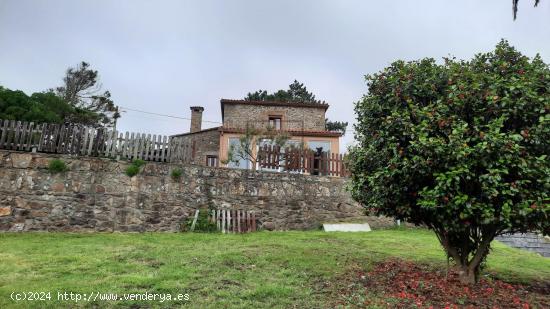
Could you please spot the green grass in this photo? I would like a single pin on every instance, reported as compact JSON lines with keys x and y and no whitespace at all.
{"x":258,"y":270}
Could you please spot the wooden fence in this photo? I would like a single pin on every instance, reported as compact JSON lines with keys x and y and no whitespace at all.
{"x":76,"y":139}
{"x":234,"y":221}
{"x":79,"y":140}
{"x":302,"y":161}
{"x":229,"y":220}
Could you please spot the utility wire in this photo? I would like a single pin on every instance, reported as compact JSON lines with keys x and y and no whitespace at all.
{"x":184,"y":118}
{"x":163,"y":115}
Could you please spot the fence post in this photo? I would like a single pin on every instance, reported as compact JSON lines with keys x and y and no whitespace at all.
{"x":195,"y":220}
{"x":217,"y":211}
{"x":228,"y":220}
{"x":253,"y":221}
{"x":223,"y":220}
{"x":238,"y":221}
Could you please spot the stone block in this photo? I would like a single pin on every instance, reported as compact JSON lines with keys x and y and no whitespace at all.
{"x":17,"y":227}
{"x":5,"y":211}
{"x":58,"y":187}
{"x":21,"y":160}
{"x":99,"y":189}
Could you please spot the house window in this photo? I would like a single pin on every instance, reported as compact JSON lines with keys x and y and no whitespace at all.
{"x":323,"y":146}
{"x":239,"y":162}
{"x":275,"y":122}
{"x":320,"y":147}
{"x":212,"y":161}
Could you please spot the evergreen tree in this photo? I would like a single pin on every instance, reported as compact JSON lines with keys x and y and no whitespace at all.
{"x":82,"y":90}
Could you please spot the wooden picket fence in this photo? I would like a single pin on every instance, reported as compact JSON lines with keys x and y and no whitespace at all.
{"x":76,"y":139}
{"x":302,"y":161}
{"x":234,"y":221}
{"x":79,"y":140}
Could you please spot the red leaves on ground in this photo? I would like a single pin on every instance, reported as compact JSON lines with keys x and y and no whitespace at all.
{"x":410,"y":285}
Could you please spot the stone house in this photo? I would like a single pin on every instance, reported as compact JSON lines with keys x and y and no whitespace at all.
{"x":303,"y":122}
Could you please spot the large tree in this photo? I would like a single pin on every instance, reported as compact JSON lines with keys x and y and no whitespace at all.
{"x":460,"y":147}
{"x":39,"y":107}
{"x":80,"y":100}
{"x":82,"y":90}
{"x":298,"y":93}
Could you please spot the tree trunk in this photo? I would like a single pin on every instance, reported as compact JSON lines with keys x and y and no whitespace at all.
{"x":468,"y":268}
{"x":467,"y":275}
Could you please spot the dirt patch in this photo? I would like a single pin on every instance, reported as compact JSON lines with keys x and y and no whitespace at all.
{"x":402,"y":284}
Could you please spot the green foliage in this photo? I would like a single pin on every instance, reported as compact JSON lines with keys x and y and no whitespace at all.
{"x":39,"y":107}
{"x":296,"y":92}
{"x":176,"y":173}
{"x":460,"y":147}
{"x":81,"y":103}
{"x":138,"y":162}
{"x":203,"y":224}
{"x":336,"y":126}
{"x":134,"y":168}
{"x":57,"y":166}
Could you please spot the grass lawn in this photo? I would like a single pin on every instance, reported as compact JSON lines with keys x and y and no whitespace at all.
{"x":258,"y":270}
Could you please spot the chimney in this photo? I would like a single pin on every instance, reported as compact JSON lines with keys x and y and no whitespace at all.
{"x":196,"y":118}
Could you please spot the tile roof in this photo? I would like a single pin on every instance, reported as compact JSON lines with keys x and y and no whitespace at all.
{"x":279,"y":103}
{"x":201,"y":131}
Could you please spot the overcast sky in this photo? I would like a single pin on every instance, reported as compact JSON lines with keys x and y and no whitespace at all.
{"x":165,"y":56}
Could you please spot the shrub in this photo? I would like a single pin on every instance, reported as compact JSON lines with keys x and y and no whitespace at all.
{"x":138,"y":162}
{"x":203,"y":224}
{"x":459,"y":147}
{"x":176,"y":173}
{"x":57,"y":166}
{"x":132,"y":170}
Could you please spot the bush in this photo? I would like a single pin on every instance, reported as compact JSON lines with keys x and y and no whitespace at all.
{"x":203,"y":224}
{"x":459,"y":147}
{"x":176,"y":173}
{"x":132,"y":170}
{"x":57,"y":166}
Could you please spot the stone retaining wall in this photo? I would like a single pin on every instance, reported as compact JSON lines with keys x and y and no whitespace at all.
{"x":527,"y":241}
{"x":96,"y":195}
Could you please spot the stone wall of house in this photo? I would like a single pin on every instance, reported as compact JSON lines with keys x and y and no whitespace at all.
{"x":294,"y":118}
{"x":96,"y":195}
{"x":196,"y":146}
{"x":527,"y":241}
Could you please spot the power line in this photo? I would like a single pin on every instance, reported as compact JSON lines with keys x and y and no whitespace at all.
{"x":184,"y":118}
{"x":163,"y":115}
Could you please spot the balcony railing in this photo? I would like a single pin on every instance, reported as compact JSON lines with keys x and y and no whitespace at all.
{"x":306,"y":161}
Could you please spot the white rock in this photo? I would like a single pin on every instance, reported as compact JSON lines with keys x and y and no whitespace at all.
{"x":346,"y":227}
